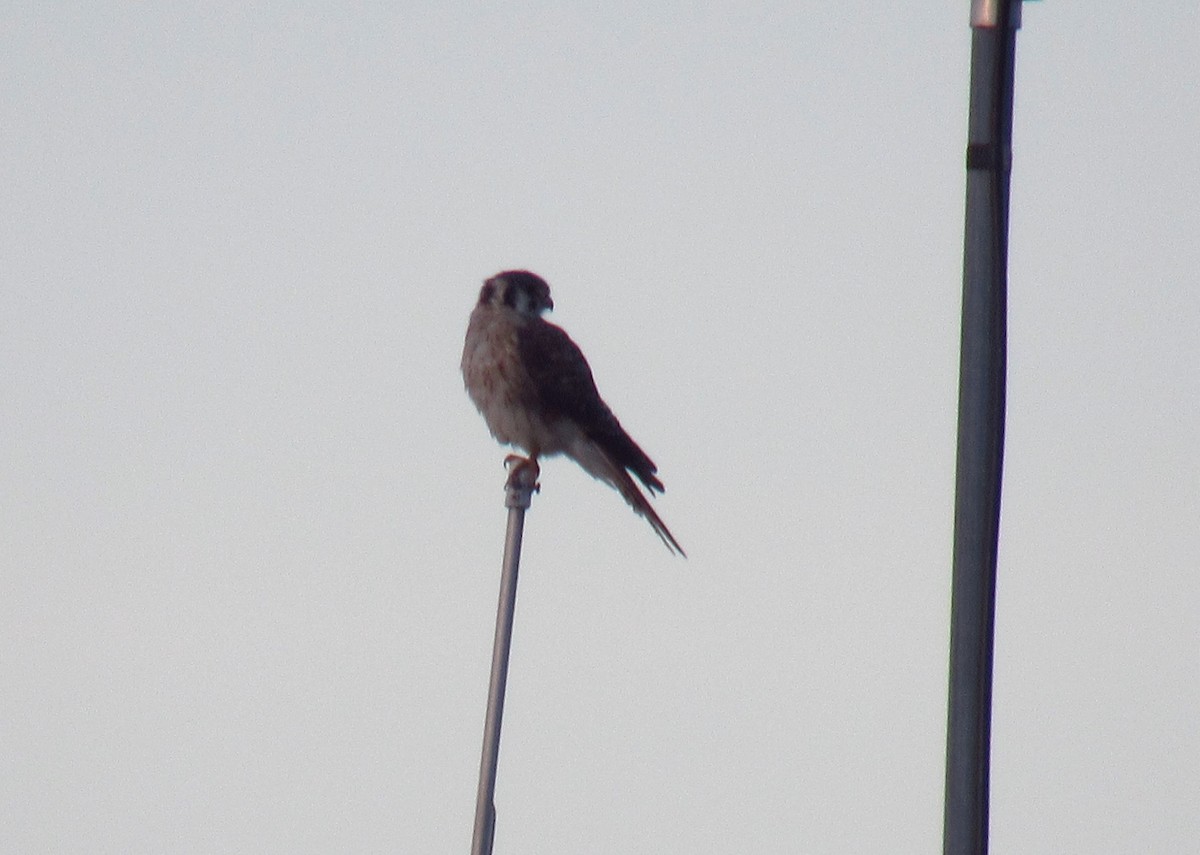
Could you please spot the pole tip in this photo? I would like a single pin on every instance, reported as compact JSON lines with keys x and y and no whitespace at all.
{"x":522,"y":481}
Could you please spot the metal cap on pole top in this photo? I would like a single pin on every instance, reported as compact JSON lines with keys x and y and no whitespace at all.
{"x":988,"y":13}
{"x":518,"y":495}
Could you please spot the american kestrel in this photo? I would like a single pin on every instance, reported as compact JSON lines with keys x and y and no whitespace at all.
{"x":535,"y":390}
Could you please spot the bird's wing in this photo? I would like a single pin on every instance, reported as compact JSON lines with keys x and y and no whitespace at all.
{"x":565,"y":386}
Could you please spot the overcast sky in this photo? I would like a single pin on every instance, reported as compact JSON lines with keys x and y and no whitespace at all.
{"x":251,"y":524}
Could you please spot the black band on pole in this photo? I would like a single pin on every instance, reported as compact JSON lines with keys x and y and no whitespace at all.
{"x":980,"y":156}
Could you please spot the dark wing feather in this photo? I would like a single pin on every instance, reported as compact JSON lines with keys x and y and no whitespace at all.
{"x":565,"y":386}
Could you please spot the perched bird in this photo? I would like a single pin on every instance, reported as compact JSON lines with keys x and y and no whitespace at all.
{"x":535,"y":390}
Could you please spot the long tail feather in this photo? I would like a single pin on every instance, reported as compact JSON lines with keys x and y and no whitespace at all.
{"x":641,"y":505}
{"x":599,"y":465}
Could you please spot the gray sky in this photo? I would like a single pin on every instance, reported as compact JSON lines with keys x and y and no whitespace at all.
{"x":252,"y":525}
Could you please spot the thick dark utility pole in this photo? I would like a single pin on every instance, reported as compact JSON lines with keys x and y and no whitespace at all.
{"x":994,"y":26}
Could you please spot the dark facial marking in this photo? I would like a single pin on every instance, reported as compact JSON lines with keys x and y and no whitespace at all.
{"x":533,"y":286}
{"x":510,"y":295}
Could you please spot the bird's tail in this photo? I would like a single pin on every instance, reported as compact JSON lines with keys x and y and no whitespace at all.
{"x":637,"y":500}
{"x":600,"y":465}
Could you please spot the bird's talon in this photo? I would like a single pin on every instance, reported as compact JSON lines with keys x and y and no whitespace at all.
{"x":523,"y":471}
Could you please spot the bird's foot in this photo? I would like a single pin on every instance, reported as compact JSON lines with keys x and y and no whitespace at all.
{"x":523,"y":472}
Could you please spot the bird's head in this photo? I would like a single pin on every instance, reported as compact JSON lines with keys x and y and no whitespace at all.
{"x":524,"y":292}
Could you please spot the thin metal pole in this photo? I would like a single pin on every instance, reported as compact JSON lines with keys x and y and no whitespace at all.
{"x":518,"y":495}
{"x":981,"y":398}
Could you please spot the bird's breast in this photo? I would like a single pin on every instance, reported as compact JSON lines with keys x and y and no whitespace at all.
{"x":499,"y":385}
